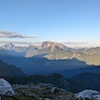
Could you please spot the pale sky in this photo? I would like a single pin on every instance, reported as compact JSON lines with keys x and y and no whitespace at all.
{"x":72,"y":21}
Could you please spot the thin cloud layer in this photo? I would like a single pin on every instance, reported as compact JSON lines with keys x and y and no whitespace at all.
{"x":75,"y":42}
{"x":13,"y":35}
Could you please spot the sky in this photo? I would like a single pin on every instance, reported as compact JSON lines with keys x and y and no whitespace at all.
{"x":72,"y":22}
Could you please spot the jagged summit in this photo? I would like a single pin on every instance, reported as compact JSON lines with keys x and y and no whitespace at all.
{"x":52,"y":45}
{"x":9,"y":46}
{"x":50,"y":50}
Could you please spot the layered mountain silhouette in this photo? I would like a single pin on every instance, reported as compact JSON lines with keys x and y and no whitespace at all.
{"x":80,"y":68}
{"x":51,"y":57}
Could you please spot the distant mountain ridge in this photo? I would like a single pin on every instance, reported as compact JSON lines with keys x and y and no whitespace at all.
{"x":56,"y":51}
{"x":52,"y":46}
{"x":9,"y":46}
{"x":52,"y":50}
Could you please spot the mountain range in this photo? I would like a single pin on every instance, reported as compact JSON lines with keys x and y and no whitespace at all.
{"x":55,"y":51}
{"x":50,"y":57}
{"x":78,"y":67}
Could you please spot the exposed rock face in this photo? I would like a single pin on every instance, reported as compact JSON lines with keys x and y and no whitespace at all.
{"x":89,"y":94}
{"x":52,"y":46}
{"x":53,"y":50}
{"x":9,"y":46}
{"x":6,"y":88}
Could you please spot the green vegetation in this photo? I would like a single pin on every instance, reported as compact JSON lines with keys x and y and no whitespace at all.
{"x":55,"y":78}
{"x":21,"y":97}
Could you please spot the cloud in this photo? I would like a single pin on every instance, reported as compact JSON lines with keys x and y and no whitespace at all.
{"x":75,"y":43}
{"x":19,"y":43}
{"x":4,"y":34}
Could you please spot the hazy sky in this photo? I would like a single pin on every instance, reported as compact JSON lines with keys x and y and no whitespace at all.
{"x":70,"y":21}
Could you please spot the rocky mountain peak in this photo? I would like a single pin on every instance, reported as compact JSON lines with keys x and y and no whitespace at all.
{"x":52,"y":45}
{"x":9,"y":46}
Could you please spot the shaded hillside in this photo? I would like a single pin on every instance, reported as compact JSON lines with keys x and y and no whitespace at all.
{"x":9,"y":70}
{"x":39,"y":65}
{"x":55,"y":78}
{"x":78,"y":83}
{"x":89,"y":80}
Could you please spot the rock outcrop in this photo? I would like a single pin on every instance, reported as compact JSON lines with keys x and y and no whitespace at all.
{"x":88,"y":94}
{"x":6,"y":88}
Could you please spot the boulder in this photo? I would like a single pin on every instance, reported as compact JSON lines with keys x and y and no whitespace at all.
{"x":90,"y":94}
{"x":54,"y":90}
{"x":6,"y":88}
